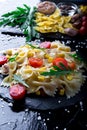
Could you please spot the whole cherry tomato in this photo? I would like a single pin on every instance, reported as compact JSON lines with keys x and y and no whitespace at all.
{"x":35,"y":62}
{"x":45,"y":45}
{"x":84,"y":18}
{"x":83,"y":30}
{"x":17,"y":91}
{"x":59,"y":61}
{"x":84,"y":23}
{"x":3,"y":60}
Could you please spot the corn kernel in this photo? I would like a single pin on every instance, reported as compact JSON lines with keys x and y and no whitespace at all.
{"x":54,"y":46}
{"x":30,"y":54}
{"x":7,"y":56}
{"x":69,"y":77}
{"x":41,"y":78}
{"x":46,"y":56}
{"x":38,"y":92}
{"x":61,"y":55}
{"x":50,"y":59}
{"x":67,"y":49}
{"x":9,"y":52}
{"x":62,"y":91}
{"x":42,"y":69}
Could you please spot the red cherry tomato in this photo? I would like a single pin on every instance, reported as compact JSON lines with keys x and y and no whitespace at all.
{"x":35,"y":62}
{"x":17,"y":91}
{"x":84,"y":18}
{"x":45,"y":45}
{"x":59,"y":61}
{"x":83,"y":30}
{"x":3,"y":60}
{"x":84,"y":23}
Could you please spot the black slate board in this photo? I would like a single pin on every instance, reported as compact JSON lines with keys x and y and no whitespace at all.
{"x":44,"y":103}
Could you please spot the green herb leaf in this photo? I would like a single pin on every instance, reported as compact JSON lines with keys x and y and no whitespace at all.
{"x":57,"y":71}
{"x":24,"y":18}
{"x":20,"y":80}
{"x":13,"y":58}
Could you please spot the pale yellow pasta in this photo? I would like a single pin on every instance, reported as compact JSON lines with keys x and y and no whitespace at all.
{"x":52,"y":23}
{"x":71,"y":83}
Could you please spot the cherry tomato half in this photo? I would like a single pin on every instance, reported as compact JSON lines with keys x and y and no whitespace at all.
{"x":3,"y":60}
{"x":17,"y":91}
{"x":35,"y":62}
{"x":45,"y":45}
{"x":59,"y":61}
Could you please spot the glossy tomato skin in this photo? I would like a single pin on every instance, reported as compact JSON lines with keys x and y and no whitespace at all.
{"x":3,"y":60}
{"x":59,"y":61}
{"x":35,"y":62}
{"x":45,"y":44}
{"x":83,"y":30}
{"x":84,"y":18}
{"x":17,"y":91}
{"x":84,"y":23}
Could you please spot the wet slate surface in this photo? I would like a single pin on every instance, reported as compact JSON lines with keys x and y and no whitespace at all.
{"x":15,"y":117}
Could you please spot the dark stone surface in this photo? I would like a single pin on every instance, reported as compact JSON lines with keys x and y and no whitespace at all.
{"x":17,"y":117}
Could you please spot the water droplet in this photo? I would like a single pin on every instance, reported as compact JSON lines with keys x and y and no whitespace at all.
{"x":59,"y":101}
{"x":39,"y":117}
{"x":49,"y":112}
{"x":26,"y":110}
{"x":10,"y":104}
{"x":45,"y":124}
{"x":56,"y":127}
{"x":64,"y":129}
{"x":48,"y":119}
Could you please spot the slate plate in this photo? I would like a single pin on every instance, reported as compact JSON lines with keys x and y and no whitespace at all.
{"x":44,"y":103}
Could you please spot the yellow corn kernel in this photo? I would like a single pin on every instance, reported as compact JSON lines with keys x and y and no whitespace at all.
{"x":41,"y":78}
{"x":21,"y":54}
{"x":61,"y":55}
{"x":42,"y":69}
{"x":30,"y":54}
{"x":7,"y":56}
{"x":67,"y":49}
{"x":61,"y":48}
{"x":54,"y":46}
{"x":69,"y":77}
{"x":62,"y":91}
{"x":50,"y":59}
{"x":46,"y":56}
{"x":9,"y":52}
{"x":38,"y":92}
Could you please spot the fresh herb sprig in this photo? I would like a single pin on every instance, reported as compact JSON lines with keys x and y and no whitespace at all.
{"x":24,"y":18}
{"x":56,"y":71}
{"x":20,"y":80}
{"x":13,"y":58}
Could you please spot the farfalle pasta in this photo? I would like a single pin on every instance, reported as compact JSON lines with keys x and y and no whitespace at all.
{"x":45,"y":73}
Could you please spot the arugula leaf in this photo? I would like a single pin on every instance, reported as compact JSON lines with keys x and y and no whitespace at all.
{"x":13,"y":58}
{"x":20,"y":80}
{"x":58,"y":71}
{"x":24,"y":18}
